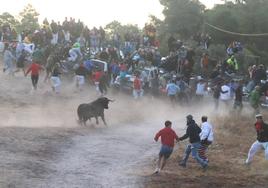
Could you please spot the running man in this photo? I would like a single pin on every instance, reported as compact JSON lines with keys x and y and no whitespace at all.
{"x":168,"y":136}
{"x":35,"y":69}
{"x":192,"y":133}
{"x":262,"y":139}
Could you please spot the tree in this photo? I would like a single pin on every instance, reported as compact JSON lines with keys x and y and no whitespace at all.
{"x":116,"y":27}
{"x":7,"y":18}
{"x":155,"y":21}
{"x":113,"y":27}
{"x":244,"y":16}
{"x":183,"y":16}
{"x":222,"y":16}
{"x":29,"y":18}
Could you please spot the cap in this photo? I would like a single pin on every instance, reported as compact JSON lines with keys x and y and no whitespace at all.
{"x":76,"y":45}
{"x":258,"y":115}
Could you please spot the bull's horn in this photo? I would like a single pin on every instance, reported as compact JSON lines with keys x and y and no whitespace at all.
{"x":111,"y":100}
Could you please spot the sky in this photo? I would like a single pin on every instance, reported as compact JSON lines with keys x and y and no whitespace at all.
{"x":93,"y":12}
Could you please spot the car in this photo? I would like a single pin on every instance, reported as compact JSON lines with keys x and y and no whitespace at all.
{"x":125,"y":86}
{"x":93,"y":64}
{"x":100,"y":64}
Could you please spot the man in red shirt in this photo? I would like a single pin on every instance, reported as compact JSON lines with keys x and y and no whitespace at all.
{"x":262,"y":139}
{"x":96,"y":77}
{"x":168,"y":136}
{"x":34,"y":69}
{"x":137,"y":88}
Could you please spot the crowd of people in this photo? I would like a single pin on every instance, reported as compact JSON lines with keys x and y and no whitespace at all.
{"x":69,"y":47}
{"x":200,"y":138}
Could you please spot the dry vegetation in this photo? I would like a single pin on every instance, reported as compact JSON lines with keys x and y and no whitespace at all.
{"x":234,"y":135}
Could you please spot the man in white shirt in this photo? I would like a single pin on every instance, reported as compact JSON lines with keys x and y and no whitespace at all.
{"x":206,"y":137}
{"x":201,"y":88}
{"x":225,"y":94}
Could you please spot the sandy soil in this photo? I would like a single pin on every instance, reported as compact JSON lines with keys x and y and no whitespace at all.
{"x":41,"y":144}
{"x":234,"y":136}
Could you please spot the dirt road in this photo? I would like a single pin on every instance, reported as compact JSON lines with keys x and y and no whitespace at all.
{"x":82,"y":157}
{"x":41,"y":144}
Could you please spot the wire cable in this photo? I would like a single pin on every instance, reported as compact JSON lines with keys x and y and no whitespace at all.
{"x":240,"y":34}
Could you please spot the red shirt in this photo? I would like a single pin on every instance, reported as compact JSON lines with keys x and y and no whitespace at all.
{"x":167,"y":136}
{"x":123,"y":67}
{"x":97,"y":76}
{"x":258,"y":126}
{"x":34,"y":68}
{"x":137,"y":84}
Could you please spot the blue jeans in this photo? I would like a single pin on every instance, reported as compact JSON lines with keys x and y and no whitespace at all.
{"x":193,"y":148}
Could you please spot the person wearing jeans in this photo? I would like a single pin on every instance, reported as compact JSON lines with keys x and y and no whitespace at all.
{"x":192,"y":133}
{"x":193,"y":148}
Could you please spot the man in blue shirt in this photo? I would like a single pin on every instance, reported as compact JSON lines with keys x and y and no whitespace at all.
{"x":172,"y":90}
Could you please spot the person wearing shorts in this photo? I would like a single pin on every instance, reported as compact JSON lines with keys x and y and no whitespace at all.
{"x":165,"y":151}
{"x":168,"y":136}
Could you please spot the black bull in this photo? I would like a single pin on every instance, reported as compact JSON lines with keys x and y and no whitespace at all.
{"x":94,"y":109}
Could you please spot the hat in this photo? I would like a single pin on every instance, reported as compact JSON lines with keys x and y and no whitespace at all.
{"x":258,"y":116}
{"x":76,"y":45}
{"x":189,"y":116}
{"x":199,"y":78}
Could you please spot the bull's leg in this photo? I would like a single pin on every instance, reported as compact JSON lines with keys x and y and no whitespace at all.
{"x":84,"y":121}
{"x":103,"y":119}
{"x":80,"y":119}
{"x":97,"y":121}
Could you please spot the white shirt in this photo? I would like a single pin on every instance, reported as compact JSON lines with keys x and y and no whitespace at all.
{"x":206,"y":132}
{"x":55,"y":38}
{"x":67,"y":35}
{"x":201,"y":88}
{"x":227,"y":93}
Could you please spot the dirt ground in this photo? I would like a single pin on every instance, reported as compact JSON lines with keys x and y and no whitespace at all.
{"x":41,"y":144}
{"x":233,"y":137}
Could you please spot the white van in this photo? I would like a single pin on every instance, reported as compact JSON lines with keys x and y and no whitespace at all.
{"x":102,"y":64}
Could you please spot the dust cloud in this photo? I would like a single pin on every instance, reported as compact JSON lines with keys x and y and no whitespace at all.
{"x":42,"y":145}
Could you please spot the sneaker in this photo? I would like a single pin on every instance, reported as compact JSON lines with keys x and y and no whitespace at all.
{"x":182,"y":164}
{"x":204,"y":167}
